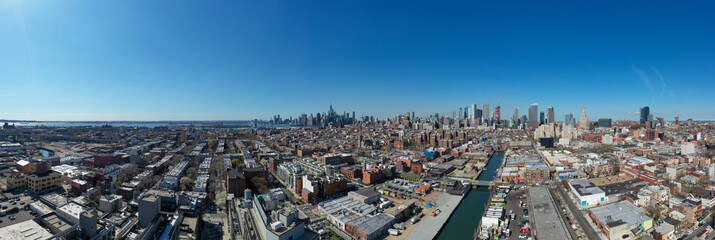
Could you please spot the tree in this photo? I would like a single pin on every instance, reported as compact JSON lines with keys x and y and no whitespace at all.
{"x":186,"y":184}
{"x":564,"y":184}
{"x":154,"y":159}
{"x":221,"y":199}
{"x":121,"y":179}
{"x":211,"y":144}
{"x":236,"y":161}
{"x":258,"y":184}
{"x":653,"y":212}
{"x":192,"y":173}
{"x":131,"y":169}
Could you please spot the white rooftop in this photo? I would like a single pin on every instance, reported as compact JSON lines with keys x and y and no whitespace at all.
{"x":27,"y":230}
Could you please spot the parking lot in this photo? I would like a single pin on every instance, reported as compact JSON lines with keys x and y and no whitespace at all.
{"x":515,"y":203}
{"x":20,"y":216}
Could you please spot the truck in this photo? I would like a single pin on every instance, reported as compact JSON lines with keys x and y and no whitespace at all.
{"x":393,"y":232}
{"x":385,"y":204}
{"x":436,"y":212}
{"x":399,"y":226}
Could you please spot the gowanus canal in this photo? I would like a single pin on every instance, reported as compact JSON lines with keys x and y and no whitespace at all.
{"x":466,"y":217}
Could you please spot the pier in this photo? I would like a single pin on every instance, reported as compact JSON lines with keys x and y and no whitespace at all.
{"x":431,"y":226}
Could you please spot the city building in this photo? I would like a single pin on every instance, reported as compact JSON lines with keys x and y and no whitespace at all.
{"x":586,"y":192}
{"x":583,"y":123}
{"x":618,"y":219}
{"x":645,"y":111}
{"x":533,"y":116}
{"x":604,"y":122}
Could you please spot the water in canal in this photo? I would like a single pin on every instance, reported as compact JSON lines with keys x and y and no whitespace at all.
{"x":45,"y":153}
{"x":466,"y":217}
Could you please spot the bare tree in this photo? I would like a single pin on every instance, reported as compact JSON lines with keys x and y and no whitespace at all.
{"x":132,"y":170}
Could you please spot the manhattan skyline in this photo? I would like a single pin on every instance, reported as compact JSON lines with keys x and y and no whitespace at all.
{"x":79,"y":61}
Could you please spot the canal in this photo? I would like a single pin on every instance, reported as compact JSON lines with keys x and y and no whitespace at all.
{"x":466,"y":217}
{"x":46,"y":153}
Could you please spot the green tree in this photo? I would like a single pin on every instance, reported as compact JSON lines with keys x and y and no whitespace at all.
{"x":154,"y":159}
{"x":121,"y":179}
{"x":259,"y":184}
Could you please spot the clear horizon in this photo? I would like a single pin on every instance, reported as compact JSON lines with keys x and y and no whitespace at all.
{"x":112,"y":61}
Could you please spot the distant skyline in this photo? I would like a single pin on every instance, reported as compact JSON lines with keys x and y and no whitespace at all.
{"x":168,"y":60}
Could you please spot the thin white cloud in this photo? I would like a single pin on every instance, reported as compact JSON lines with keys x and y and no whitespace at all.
{"x":663,"y":89}
{"x":644,"y":78}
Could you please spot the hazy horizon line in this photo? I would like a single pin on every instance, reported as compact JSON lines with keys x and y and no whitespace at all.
{"x":159,"y":121}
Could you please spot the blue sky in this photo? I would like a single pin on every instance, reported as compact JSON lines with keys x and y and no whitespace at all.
{"x":191,"y":60}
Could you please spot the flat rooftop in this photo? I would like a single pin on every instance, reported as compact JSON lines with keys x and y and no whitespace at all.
{"x":621,"y":211}
{"x":584,"y":187}
{"x":546,"y":220}
{"x":24,"y":230}
{"x":55,"y":199}
{"x":610,"y":180}
{"x":55,"y":221}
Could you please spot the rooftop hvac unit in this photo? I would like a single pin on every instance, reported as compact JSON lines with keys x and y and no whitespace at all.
{"x":276,"y":225}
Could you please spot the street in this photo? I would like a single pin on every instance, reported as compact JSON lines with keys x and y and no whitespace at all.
{"x":700,"y":229}
{"x":588,"y":230}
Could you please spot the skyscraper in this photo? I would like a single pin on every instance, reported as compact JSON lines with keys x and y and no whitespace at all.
{"x":497,"y":113}
{"x":478,"y":117}
{"x":485,"y":113}
{"x":677,"y":119}
{"x":473,"y":115}
{"x":516,"y":115}
{"x":568,"y":119}
{"x":541,"y":118}
{"x":645,"y":111}
{"x":461,"y":116}
{"x":551,"y":116}
{"x":533,"y":116}
{"x":583,"y":123}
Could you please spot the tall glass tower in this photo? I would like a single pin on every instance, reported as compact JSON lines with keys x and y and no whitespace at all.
{"x":534,"y":116}
{"x":645,"y":111}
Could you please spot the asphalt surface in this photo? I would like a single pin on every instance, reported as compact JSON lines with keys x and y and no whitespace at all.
{"x":700,"y":229}
{"x":585,"y":225}
{"x":21,"y":216}
{"x":512,"y":204}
